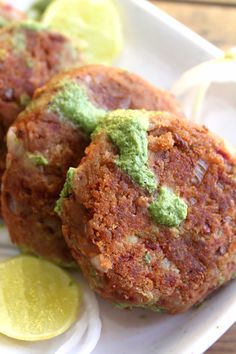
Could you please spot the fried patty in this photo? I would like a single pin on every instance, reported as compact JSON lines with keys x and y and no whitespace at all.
{"x":29,"y":57}
{"x":126,"y":255}
{"x":30,"y":198}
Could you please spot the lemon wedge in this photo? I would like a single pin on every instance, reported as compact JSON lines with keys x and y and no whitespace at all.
{"x":38,"y":300}
{"x":93,"y":25}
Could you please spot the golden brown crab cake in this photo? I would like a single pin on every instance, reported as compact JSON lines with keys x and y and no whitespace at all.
{"x":29,"y":56}
{"x":150,"y":213}
{"x":51,"y":136}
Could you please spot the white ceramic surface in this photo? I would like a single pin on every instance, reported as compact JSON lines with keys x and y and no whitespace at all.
{"x":161,"y":49}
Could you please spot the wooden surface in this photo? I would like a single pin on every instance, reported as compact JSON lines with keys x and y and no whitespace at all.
{"x":218,"y":25}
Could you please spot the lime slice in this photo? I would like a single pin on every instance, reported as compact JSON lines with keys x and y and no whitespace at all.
{"x":93,"y":25}
{"x":38,"y":300}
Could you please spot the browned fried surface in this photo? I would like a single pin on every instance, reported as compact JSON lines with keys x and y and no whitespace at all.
{"x":28,"y":59}
{"x":108,"y":228}
{"x":113,"y":88}
{"x":29,"y":199}
{"x":29,"y":191}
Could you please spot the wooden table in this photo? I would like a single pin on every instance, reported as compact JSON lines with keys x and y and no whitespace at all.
{"x":215,"y":23}
{"x":218,"y":25}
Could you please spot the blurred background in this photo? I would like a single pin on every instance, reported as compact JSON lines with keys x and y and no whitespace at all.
{"x":214,"y":20}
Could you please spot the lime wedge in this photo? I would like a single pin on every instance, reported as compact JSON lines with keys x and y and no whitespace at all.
{"x":38,"y":300}
{"x":93,"y":25}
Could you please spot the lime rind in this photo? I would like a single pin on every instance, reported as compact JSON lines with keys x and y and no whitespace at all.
{"x":81,"y":337}
{"x":94,"y":27}
{"x":45,"y":306}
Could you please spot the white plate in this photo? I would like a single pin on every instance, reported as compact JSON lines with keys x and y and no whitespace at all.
{"x":161,"y":49}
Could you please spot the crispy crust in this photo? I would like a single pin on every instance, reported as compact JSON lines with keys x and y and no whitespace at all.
{"x":29,"y":200}
{"x":26,"y":63}
{"x":109,"y":231}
